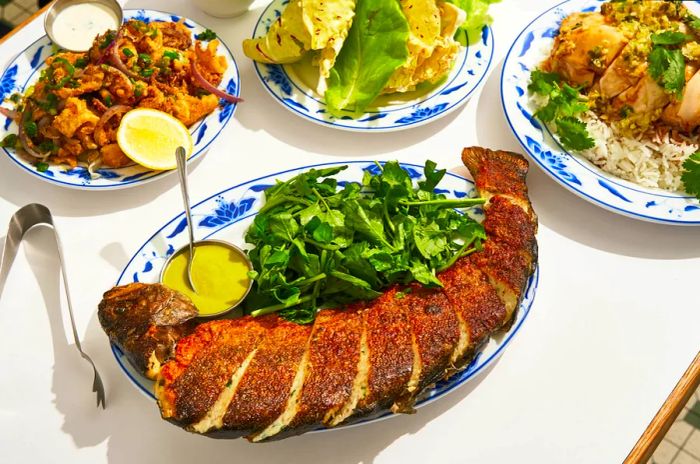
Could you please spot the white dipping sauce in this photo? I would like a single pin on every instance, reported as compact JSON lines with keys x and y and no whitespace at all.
{"x":76,"y":26}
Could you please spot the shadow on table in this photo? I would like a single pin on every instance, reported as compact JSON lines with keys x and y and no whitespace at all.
{"x":21,"y":188}
{"x":294,"y":130}
{"x":574,"y":217}
{"x":131,"y":422}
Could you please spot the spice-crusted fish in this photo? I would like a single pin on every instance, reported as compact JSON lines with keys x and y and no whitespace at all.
{"x":145,"y":322}
{"x":266,"y":378}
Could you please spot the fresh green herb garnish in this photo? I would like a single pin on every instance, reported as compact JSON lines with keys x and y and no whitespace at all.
{"x":316,"y":245}
{"x":147,"y":72}
{"x":127,"y":52}
{"x":15,"y":97}
{"x":563,"y":105}
{"x":108,"y":100}
{"x":693,"y":21}
{"x":138,"y":90}
{"x":50,"y":104}
{"x":173,"y":55}
{"x":477,"y":17}
{"x":10,"y":141}
{"x":42,"y":166}
{"x":669,"y":38}
{"x":70,"y":70}
{"x":48,"y":147}
{"x":108,"y":39}
{"x":208,"y":34}
{"x":146,"y":59}
{"x":31,"y":128}
{"x":667,"y":64}
{"x":81,"y":62}
{"x":691,"y":174}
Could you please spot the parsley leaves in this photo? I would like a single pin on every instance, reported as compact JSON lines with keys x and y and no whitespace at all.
{"x":564,"y":103}
{"x":318,"y":245}
{"x":691,"y":174}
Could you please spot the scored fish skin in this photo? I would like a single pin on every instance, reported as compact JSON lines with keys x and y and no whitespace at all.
{"x":334,"y":354}
{"x":391,"y":358}
{"x":267,"y":378}
{"x":435,"y":329}
{"x":186,"y":398}
{"x":510,"y":253}
{"x":264,"y":390}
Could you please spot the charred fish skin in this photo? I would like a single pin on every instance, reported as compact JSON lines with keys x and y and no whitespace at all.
{"x":266,"y":378}
{"x":206,"y":368}
{"x":509,"y":255}
{"x":145,"y":321}
{"x":266,"y":387}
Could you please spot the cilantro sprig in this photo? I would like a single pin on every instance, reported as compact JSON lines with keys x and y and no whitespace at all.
{"x":691,"y":174}
{"x":666,"y":60}
{"x":564,"y":103}
{"x":318,"y":245}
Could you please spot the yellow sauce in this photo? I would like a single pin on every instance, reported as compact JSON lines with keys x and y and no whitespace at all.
{"x":219,"y":273}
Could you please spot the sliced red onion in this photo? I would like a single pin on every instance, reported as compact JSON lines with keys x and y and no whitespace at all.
{"x":12,"y":114}
{"x":116,"y":60}
{"x":26,"y":142}
{"x":106,"y":116}
{"x":209,"y":87}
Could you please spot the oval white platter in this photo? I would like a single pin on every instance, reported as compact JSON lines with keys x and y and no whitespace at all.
{"x":287,"y":88}
{"x":24,"y":70}
{"x":571,"y":170}
{"x":228,"y":214}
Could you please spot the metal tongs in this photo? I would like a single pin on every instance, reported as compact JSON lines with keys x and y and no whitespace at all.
{"x":22,"y":221}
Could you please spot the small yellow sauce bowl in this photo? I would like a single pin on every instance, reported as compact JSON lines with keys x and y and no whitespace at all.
{"x":219,"y":272}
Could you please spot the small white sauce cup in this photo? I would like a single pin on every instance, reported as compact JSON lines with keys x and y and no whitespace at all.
{"x":59,"y":5}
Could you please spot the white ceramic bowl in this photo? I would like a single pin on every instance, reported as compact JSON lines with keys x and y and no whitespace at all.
{"x":223,"y":8}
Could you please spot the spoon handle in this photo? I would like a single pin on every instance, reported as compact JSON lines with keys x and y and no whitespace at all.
{"x":181,"y":158}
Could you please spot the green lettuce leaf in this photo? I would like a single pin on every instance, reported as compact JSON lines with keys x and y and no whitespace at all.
{"x":477,"y":17}
{"x":374,"y":49}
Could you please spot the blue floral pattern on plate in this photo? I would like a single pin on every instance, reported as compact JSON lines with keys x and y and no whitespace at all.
{"x":227,"y":214}
{"x":23,"y":71}
{"x":569,"y":169}
{"x":290,"y":91}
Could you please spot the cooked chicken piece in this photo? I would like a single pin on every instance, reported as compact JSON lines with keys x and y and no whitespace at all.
{"x":685,"y":114}
{"x":145,"y":322}
{"x":622,"y":74}
{"x":646,"y":99}
{"x":584,"y":48}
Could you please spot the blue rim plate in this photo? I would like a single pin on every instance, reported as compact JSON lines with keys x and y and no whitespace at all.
{"x":468,"y":73}
{"x":227,"y":214}
{"x":24,"y":70}
{"x":571,"y":170}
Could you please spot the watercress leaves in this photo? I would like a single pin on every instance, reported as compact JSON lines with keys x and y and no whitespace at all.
{"x":319,"y":245}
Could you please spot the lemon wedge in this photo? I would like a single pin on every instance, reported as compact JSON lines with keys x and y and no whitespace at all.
{"x":150,"y":137}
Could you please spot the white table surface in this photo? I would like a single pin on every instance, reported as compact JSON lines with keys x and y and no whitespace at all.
{"x":614,"y":324}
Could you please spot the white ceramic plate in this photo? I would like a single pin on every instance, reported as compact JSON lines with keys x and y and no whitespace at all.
{"x":286,"y":87}
{"x":569,"y":169}
{"x":227,"y":215}
{"x":24,"y":70}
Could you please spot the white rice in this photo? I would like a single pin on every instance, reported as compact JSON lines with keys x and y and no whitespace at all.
{"x":651,"y":162}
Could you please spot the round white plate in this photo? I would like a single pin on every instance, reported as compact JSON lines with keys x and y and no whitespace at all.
{"x":291,"y":92}
{"x":569,"y":169}
{"x":227,"y":215}
{"x":24,"y":70}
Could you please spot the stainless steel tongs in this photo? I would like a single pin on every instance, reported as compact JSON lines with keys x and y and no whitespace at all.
{"x":24,"y":219}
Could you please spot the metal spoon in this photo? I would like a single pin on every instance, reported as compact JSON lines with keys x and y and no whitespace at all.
{"x":181,"y":157}
{"x":24,"y":219}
